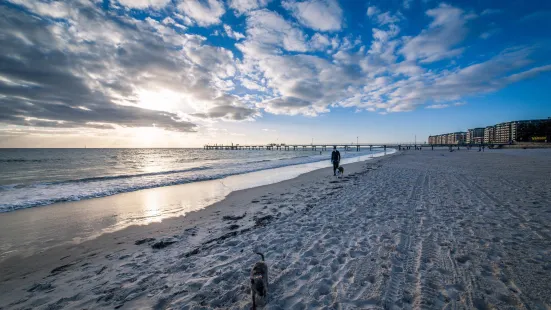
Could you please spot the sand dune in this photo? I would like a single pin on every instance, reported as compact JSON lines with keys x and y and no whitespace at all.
{"x":416,"y":230}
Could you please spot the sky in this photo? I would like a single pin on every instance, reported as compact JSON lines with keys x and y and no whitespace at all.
{"x":183,"y":73}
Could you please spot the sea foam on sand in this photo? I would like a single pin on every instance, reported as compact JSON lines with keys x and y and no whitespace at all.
{"x":418,"y":229}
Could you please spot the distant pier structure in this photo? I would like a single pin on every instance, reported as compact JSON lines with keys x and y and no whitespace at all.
{"x":312,"y":147}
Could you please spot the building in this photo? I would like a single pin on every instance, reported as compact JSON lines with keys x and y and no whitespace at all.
{"x":449,"y":138}
{"x":532,"y":131}
{"x":503,"y":132}
{"x":475,"y":136}
{"x":538,"y":130}
{"x":489,"y":134}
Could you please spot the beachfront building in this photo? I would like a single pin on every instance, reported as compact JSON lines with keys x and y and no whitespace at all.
{"x":503,"y":132}
{"x":449,"y":138}
{"x":475,"y":136}
{"x":489,"y":136}
{"x":538,"y":130}
{"x":532,"y":130}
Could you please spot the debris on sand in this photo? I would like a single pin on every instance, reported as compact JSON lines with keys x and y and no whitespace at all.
{"x":164,"y":242}
{"x":145,"y":240}
{"x":233,"y":217}
{"x":262,"y":221}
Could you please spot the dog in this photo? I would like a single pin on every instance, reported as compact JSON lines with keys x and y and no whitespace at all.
{"x":340,"y":171}
{"x":259,"y":280}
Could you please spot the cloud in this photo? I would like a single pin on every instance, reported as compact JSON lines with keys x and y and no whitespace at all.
{"x":384,"y":18}
{"x":491,"y":12}
{"x":444,"y":105}
{"x":55,"y":9}
{"x":87,"y":67}
{"x":489,"y":33}
{"x":372,"y":11}
{"x":319,"y":42}
{"x":204,"y":13}
{"x":95,"y":69}
{"x":528,"y":74}
{"x":233,"y":34}
{"x":228,"y":112}
{"x":144,"y":4}
{"x":268,"y":31}
{"x":440,"y":40}
{"x":243,"y":6}
{"x":323,"y":15}
{"x":437,"y":106}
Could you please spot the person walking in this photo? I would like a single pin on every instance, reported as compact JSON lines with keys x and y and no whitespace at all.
{"x":335,"y":159}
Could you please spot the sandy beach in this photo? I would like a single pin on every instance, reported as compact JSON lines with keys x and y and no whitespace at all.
{"x":413,"y":230}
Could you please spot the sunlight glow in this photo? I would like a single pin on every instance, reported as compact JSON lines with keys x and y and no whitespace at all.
{"x":162,"y":100}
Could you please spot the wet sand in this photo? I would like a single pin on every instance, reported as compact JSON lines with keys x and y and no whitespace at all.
{"x":419,"y":229}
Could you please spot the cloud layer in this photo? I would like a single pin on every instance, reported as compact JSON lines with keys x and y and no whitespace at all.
{"x":78,"y":64}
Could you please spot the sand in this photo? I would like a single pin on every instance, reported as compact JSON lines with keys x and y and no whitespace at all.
{"x":418,"y":229}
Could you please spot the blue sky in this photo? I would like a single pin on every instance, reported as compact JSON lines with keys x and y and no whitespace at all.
{"x":177,"y":73}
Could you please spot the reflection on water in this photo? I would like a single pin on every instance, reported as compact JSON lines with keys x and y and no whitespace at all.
{"x":152,"y":210}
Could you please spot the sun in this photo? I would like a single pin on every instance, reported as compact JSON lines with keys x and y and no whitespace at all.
{"x":148,"y":136}
{"x":160,"y":100}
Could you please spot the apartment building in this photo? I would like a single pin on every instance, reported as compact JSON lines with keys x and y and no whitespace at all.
{"x":503,"y":132}
{"x":449,"y":138}
{"x":538,"y":130}
{"x":489,"y":134}
{"x":475,"y":136}
{"x":532,"y":130}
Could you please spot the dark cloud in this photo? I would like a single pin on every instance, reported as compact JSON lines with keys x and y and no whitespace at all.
{"x":228,"y":112}
{"x":48,"y":70}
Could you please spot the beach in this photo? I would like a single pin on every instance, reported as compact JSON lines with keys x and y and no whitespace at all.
{"x":412,"y":230}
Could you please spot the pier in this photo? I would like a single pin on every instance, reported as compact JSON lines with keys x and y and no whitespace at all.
{"x":313,"y":147}
{"x":347,"y":147}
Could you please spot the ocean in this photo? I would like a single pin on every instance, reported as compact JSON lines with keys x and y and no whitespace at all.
{"x":38,"y":177}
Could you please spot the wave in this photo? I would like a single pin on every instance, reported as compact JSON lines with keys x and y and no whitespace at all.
{"x":22,"y":160}
{"x":121,"y":176}
{"x":95,"y":187}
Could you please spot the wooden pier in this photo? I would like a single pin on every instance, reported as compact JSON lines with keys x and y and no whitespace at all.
{"x":312,"y":147}
{"x":340,"y":146}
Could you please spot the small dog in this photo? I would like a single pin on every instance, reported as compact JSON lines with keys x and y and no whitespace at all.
{"x":340,"y":171}
{"x":259,"y":280}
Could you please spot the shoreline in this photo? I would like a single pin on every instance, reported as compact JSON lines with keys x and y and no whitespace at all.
{"x":74,"y":222}
{"x":171,"y":224}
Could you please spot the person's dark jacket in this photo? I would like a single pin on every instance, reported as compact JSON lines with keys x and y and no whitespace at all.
{"x":335,"y":156}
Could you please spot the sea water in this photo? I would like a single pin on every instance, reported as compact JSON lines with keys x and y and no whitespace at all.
{"x":39,"y":177}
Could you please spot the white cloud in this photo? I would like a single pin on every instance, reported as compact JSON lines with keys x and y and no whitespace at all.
{"x":489,"y":33}
{"x":386,"y":18}
{"x":243,"y":6}
{"x":248,"y":83}
{"x":323,"y":15}
{"x":319,"y":42}
{"x":440,"y":40}
{"x":372,"y":11}
{"x":267,"y":31}
{"x":490,"y":12}
{"x":118,"y":61}
{"x":144,"y":4}
{"x":407,"y":4}
{"x":437,"y":106}
{"x":233,"y":34}
{"x":204,"y":13}
{"x":445,"y":105}
{"x":55,"y":9}
{"x":528,"y":74}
